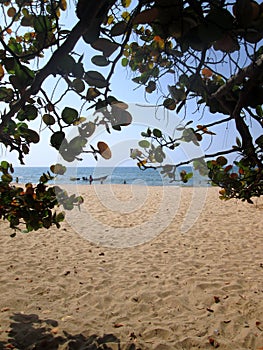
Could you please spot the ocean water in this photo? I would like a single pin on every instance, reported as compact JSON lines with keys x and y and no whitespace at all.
{"x":117,"y":175}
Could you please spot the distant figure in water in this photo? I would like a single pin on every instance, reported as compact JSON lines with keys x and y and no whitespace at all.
{"x":124,"y":182}
{"x":90,"y":179}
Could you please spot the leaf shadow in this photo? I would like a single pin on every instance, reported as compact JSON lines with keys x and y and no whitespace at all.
{"x":29,"y":332}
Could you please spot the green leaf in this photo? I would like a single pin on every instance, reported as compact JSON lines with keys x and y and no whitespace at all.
{"x":144,"y":144}
{"x":56,"y":139}
{"x":87,"y":129}
{"x":66,"y":64}
{"x":157,"y":133}
{"x":96,"y":79}
{"x":124,"y":62}
{"x":78,"y":70}
{"x":150,"y":87}
{"x":42,"y":24}
{"x":78,"y":85}
{"x":119,"y":28}
{"x":69,"y":115}
{"x":76,"y":145}
{"x":29,"y":112}
{"x":7,"y":178}
{"x":125,"y":3}
{"x":169,"y":103}
{"x":48,"y":119}
{"x":101,"y":61}
{"x":4,"y":165}
{"x":105,"y":45}
{"x":31,"y":136}
{"x":60,"y":217}
{"x":6,"y":94}
{"x":159,"y":156}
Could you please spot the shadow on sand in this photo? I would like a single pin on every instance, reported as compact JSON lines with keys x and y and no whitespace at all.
{"x":29,"y":332}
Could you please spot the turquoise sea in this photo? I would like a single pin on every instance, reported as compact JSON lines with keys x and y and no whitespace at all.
{"x":117,"y":175}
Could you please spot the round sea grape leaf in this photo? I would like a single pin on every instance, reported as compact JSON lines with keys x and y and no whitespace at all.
{"x":78,"y":85}
{"x":150,"y":87}
{"x":67,"y":156}
{"x":6,"y":94}
{"x":144,"y":144}
{"x":169,"y":103}
{"x":27,"y":21}
{"x":31,"y":136}
{"x":92,"y":93}
{"x":221,"y":160}
{"x":157,"y":133}
{"x":4,"y":165}
{"x":158,"y":156}
{"x":57,"y":138}
{"x":119,"y":28}
{"x":69,"y":115}
{"x":87,"y":129}
{"x":96,"y":79}
{"x":60,"y":217}
{"x":124,"y":62}
{"x":67,"y":64}
{"x":7,"y":178}
{"x":78,"y":70}
{"x":104,"y":150}
{"x":42,"y":24}
{"x":48,"y":119}
{"x":11,"y":12}
{"x":100,"y":60}
{"x":121,"y":116}
{"x":58,"y":169}
{"x":76,"y":145}
{"x":105,"y":45}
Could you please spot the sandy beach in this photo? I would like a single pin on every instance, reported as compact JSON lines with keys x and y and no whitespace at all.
{"x":137,"y":269}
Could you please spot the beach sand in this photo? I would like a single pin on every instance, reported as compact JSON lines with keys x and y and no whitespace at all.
{"x":187,"y":273}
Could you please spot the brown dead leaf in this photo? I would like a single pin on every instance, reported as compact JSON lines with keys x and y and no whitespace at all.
{"x":217,"y":299}
{"x":54,"y":330}
{"x":118,"y":325}
{"x":5,"y":309}
{"x":213,"y":342}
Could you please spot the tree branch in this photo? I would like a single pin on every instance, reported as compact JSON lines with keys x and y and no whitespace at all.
{"x":78,"y":30}
{"x":252,"y":71}
{"x":212,"y":155}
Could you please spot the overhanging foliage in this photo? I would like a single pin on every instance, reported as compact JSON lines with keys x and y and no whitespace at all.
{"x":209,"y":51}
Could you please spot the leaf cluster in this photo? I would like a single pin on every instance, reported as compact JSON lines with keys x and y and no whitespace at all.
{"x":33,"y":206}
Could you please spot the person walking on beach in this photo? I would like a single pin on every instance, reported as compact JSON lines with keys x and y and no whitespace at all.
{"x":90,"y":179}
